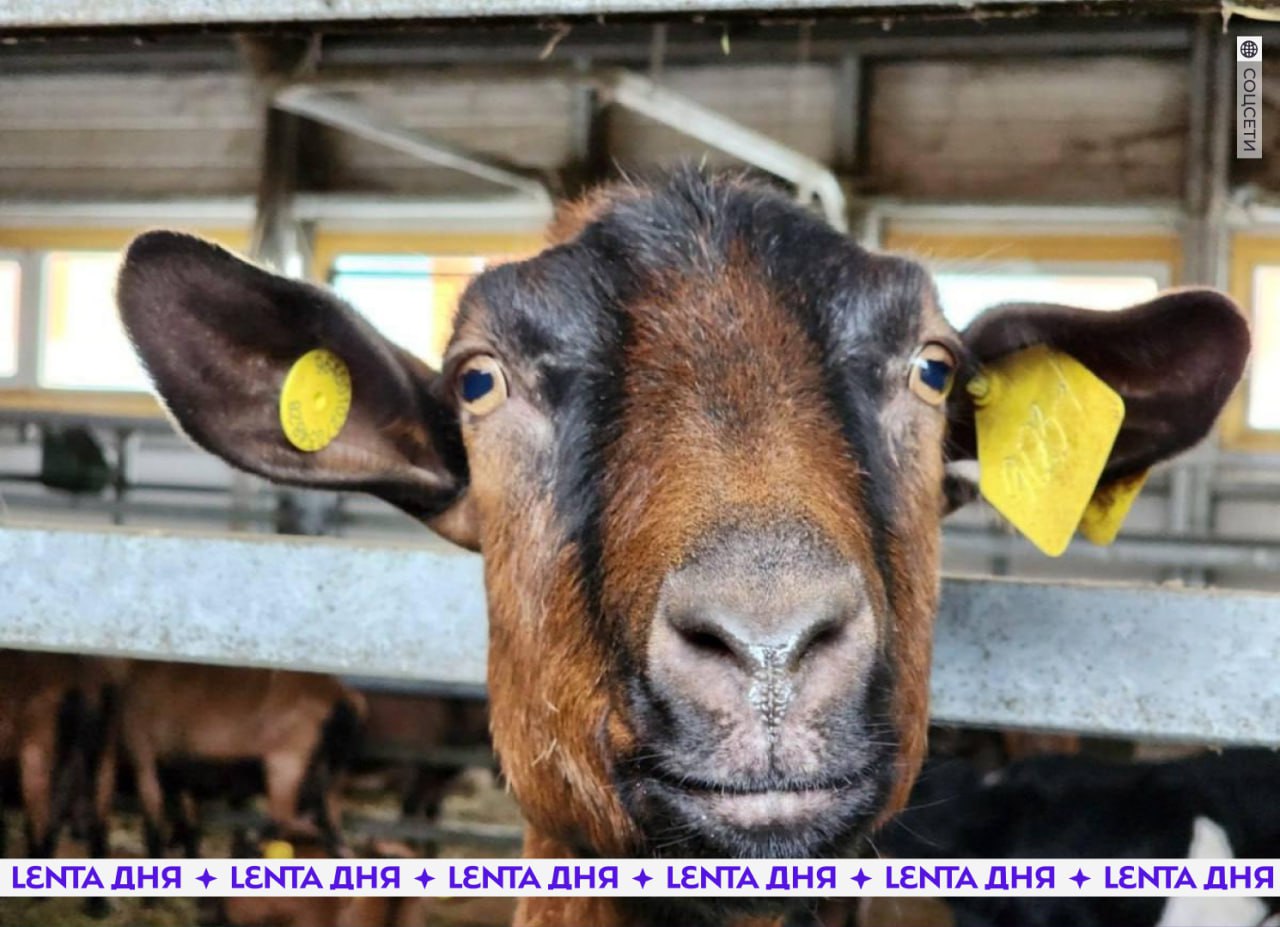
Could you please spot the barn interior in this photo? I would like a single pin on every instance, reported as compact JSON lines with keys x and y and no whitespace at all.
{"x":1075,"y":152}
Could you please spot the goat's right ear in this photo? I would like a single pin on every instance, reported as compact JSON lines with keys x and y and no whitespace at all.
{"x":1174,"y":361}
{"x":218,"y":337}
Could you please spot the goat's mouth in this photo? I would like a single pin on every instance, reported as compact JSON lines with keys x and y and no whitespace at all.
{"x":760,"y":805}
{"x":686,"y":815}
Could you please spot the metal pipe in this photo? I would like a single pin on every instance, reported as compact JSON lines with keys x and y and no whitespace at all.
{"x":1099,"y":218}
{"x":474,"y":55}
{"x":314,"y":103}
{"x":849,"y":124}
{"x":614,"y":43}
{"x":81,"y":13}
{"x":1131,"y":550}
{"x":137,"y":510}
{"x":676,"y":111}
{"x":500,"y":212}
{"x":1115,"y":660}
{"x":1202,"y":550}
{"x":219,"y":210}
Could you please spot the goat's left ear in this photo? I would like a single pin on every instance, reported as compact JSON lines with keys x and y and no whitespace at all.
{"x":232,"y":348}
{"x":1174,"y":361}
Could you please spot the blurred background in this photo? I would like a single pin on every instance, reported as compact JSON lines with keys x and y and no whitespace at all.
{"x":1056,"y":151}
{"x":1060,"y":157}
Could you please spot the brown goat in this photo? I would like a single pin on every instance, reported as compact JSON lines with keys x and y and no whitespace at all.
{"x":701,"y":442}
{"x":418,"y":723}
{"x":301,"y":727}
{"x":54,"y":725}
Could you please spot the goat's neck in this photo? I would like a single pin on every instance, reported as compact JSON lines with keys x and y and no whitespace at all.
{"x":595,"y":912}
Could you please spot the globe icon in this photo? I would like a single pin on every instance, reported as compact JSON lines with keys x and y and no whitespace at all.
{"x":1249,"y":48}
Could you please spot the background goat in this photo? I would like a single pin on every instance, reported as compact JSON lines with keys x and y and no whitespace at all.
{"x":56,"y":714}
{"x":301,"y":727}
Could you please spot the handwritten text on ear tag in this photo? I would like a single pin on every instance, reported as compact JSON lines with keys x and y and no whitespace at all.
{"x":1045,"y":428}
{"x":1108,"y":508}
{"x":315,"y":400}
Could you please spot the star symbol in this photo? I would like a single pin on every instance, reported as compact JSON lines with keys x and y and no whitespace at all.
{"x":1079,"y":878}
{"x":206,"y":879}
{"x":861,"y":878}
{"x":643,"y":878}
{"x":424,"y":878}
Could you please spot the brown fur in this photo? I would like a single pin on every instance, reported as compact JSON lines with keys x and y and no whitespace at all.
{"x":680,"y":468}
{"x":1021,"y":744}
{"x":34,"y":687}
{"x":178,"y":710}
{"x":417,"y":722}
{"x":915,"y":553}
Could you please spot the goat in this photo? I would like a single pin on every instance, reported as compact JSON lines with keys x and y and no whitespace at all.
{"x":55,"y":718}
{"x":701,"y":441}
{"x":1221,"y":806}
{"x":301,"y":727}
{"x":420,"y":723}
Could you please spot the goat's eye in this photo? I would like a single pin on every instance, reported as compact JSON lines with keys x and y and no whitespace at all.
{"x":932,"y":371}
{"x":482,"y":386}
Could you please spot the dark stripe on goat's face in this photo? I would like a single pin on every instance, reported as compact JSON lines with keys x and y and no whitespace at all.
{"x":862,"y":312}
{"x":590,"y":417}
{"x":565,"y":314}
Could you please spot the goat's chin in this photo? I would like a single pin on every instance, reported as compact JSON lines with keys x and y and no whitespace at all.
{"x":811,"y":823}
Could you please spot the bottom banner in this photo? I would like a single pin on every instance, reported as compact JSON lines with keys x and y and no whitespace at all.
{"x":638,"y":878}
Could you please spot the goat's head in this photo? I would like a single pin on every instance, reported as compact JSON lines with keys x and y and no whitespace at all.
{"x":702,"y":444}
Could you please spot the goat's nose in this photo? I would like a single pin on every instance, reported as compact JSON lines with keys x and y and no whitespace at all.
{"x":750,"y":661}
{"x":757,"y":623}
{"x":758,"y":640}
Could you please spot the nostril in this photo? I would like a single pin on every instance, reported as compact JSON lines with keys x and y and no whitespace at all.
{"x":821,"y":636}
{"x":708,"y":643}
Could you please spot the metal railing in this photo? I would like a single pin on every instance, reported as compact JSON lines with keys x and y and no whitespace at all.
{"x":1149,"y":662}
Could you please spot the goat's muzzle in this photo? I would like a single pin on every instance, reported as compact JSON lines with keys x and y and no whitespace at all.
{"x":759,"y":720}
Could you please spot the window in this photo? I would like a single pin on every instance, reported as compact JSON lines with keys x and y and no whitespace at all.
{"x":1252,"y":419}
{"x":407,"y":284}
{"x":965,"y":295}
{"x":409,"y":298}
{"x":1262,"y":410}
{"x":10,"y":298}
{"x":976,"y":270}
{"x":62,"y":347}
{"x":82,"y":344}
{"x":1255,"y":422}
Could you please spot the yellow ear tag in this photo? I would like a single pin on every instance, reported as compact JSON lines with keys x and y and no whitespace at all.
{"x":277,"y":849}
{"x":1045,"y":428}
{"x":315,"y":400}
{"x":1109,"y":507}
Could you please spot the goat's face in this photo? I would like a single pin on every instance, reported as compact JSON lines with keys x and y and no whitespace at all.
{"x":709,"y":509}
{"x":701,"y":445}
